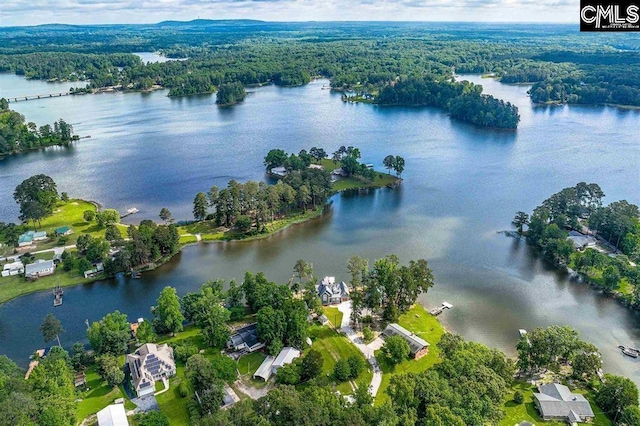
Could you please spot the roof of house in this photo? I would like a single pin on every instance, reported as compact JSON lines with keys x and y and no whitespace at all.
{"x":264,"y":371}
{"x":415,"y":343}
{"x":286,"y":356}
{"x":148,"y":361}
{"x":24,"y":238}
{"x":38,"y":267}
{"x":328,"y":285}
{"x":556,"y":400}
{"x":113,"y":415}
{"x":247,"y":335}
{"x":62,"y":230}
{"x":34,"y":234}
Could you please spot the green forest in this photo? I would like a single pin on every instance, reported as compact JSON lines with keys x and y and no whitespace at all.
{"x":395,"y":64}
{"x":17,"y":136}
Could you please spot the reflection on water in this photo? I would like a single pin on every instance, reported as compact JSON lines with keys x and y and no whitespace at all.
{"x":462,"y":186}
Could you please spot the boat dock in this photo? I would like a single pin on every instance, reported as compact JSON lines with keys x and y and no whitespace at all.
{"x":57,"y":296}
{"x":437,"y":311}
{"x":129,"y":212}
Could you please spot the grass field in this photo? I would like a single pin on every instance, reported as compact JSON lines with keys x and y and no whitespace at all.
{"x":249,"y":363}
{"x":426,"y":326}
{"x":334,"y":315}
{"x":12,"y":287}
{"x":99,"y":395}
{"x":334,"y":346}
{"x":171,"y":403}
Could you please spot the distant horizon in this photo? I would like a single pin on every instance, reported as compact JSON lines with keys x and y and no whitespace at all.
{"x":265,"y":21}
{"x":20,"y":13}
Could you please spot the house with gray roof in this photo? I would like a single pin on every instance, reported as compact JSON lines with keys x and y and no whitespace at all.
{"x":245,"y":339}
{"x":332,"y":293}
{"x":418,"y":346}
{"x":41,"y":268}
{"x":556,"y":402}
{"x":148,"y":364}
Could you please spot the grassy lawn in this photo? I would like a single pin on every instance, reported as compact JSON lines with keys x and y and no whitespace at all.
{"x":210,"y":232}
{"x":171,"y":403}
{"x":249,"y":363}
{"x":334,"y":315}
{"x":187,"y":239}
{"x":516,"y":413}
{"x":382,"y":180}
{"x":426,"y":326}
{"x":12,"y":287}
{"x":99,"y":395}
{"x":334,"y":346}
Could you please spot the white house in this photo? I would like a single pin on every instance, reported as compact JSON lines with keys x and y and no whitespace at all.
{"x":245,"y":339}
{"x":113,"y":415}
{"x":11,"y":269}
{"x":149,"y":363}
{"x":279,"y":171}
{"x":41,"y":268}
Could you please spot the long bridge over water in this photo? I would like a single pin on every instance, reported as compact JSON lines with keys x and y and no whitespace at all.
{"x":41,"y":96}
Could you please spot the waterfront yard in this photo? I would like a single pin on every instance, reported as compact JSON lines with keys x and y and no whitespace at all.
{"x":516,"y":413}
{"x":12,"y":287}
{"x":99,"y":394}
{"x":424,"y":325}
{"x":334,"y":346}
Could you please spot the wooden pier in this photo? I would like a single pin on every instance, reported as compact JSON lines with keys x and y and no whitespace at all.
{"x":437,"y":311}
{"x":57,"y":296}
{"x":33,"y":97}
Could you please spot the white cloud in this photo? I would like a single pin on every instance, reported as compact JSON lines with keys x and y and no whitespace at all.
{"x":31,"y":12}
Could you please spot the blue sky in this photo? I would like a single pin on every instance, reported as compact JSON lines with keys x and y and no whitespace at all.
{"x":33,"y":12}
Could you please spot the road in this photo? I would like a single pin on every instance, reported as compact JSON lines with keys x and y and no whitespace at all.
{"x":367,"y":350}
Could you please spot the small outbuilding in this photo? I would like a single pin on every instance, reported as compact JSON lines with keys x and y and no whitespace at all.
{"x":286,"y":356}
{"x":264,"y":371}
{"x":113,"y":415}
{"x":279,"y":171}
{"x":62,"y":231}
{"x":14,"y":268}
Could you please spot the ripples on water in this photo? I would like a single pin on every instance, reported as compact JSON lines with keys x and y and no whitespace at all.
{"x":462,"y":186}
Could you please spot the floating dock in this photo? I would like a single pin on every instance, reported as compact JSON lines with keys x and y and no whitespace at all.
{"x":57,"y":296}
{"x":437,"y":311}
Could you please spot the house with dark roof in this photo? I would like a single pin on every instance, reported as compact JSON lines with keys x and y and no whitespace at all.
{"x":148,"y":364}
{"x":556,"y":402}
{"x":332,"y":293}
{"x":245,"y":339}
{"x":418,"y":346}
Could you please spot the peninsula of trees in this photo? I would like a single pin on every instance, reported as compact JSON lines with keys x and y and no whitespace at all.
{"x":17,"y":136}
{"x":610,"y":258}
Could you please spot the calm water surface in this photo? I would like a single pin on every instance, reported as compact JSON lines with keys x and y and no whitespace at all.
{"x":462,"y":186}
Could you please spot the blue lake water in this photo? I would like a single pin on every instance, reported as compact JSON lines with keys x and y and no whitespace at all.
{"x":462,"y":186}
